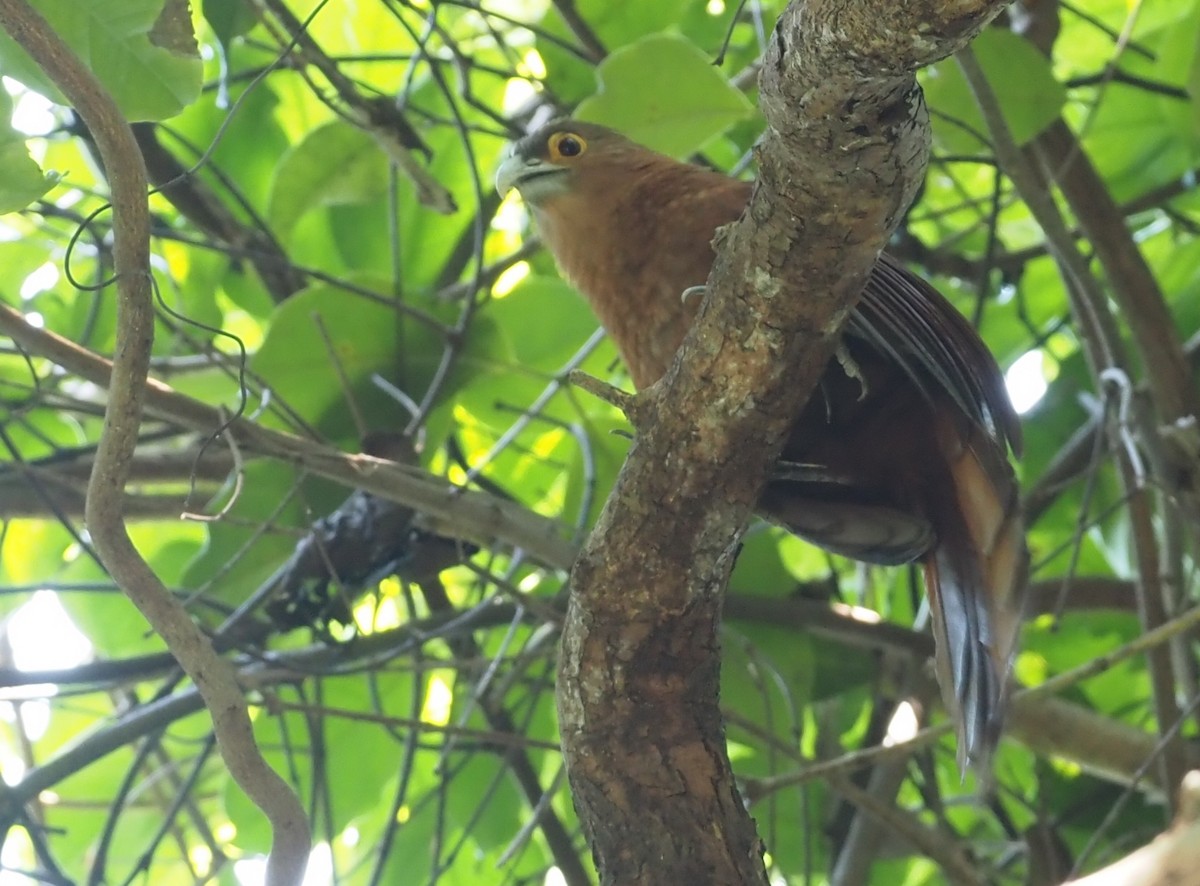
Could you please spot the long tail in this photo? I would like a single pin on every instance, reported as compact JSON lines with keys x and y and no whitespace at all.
{"x":975,"y":578}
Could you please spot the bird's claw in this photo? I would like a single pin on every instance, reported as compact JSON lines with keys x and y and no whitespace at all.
{"x":851,"y":368}
{"x":691,"y":292}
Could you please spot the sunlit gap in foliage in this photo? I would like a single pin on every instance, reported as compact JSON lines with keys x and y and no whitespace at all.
{"x":532,"y":66}
{"x":32,"y":115}
{"x":32,"y":112}
{"x":509,"y":278}
{"x":253,"y":871}
{"x":1026,"y":381}
{"x":28,"y":630}
{"x":520,"y":91}
{"x":42,"y":279}
{"x":39,"y":636}
{"x":439,"y":701}
{"x":903,"y":725}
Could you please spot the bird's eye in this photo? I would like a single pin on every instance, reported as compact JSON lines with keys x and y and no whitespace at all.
{"x":563,"y":145}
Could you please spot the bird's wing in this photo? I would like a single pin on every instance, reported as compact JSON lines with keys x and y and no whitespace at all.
{"x":977,"y":569}
{"x":908,"y":320}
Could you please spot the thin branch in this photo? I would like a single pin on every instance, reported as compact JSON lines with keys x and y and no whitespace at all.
{"x":378,"y":116}
{"x":583,"y":32}
{"x":196,"y":202}
{"x":446,"y":509}
{"x":213,"y":676}
{"x":1143,"y":307}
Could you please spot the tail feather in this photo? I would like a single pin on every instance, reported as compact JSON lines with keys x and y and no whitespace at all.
{"x":975,"y":577}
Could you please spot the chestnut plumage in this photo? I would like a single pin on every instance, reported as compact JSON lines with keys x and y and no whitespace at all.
{"x":904,"y":458}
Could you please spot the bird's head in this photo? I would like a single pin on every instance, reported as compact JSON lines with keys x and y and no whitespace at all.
{"x":560,"y":157}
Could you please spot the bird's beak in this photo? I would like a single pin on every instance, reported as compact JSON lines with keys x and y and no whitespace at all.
{"x":538,"y":180}
{"x":508,"y":176}
{"x":535,"y":179}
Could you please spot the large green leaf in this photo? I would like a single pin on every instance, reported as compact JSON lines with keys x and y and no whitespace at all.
{"x":664,"y":92}
{"x":1178,"y":64}
{"x":354,"y":760}
{"x":516,"y":345}
{"x":297,"y":359}
{"x":251,"y":139}
{"x":1030,"y":96}
{"x":335,"y":164}
{"x":615,"y":23}
{"x":113,"y":624}
{"x":229,"y":19}
{"x":143,"y":51}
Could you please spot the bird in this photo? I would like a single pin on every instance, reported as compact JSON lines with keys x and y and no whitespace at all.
{"x":901,"y":454}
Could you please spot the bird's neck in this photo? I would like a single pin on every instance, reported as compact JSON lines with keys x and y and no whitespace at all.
{"x":633,"y":249}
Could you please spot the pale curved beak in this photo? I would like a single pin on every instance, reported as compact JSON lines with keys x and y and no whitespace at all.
{"x":536,"y":179}
{"x":508,"y":175}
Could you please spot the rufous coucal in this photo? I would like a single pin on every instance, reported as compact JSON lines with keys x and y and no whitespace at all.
{"x":902,"y":452}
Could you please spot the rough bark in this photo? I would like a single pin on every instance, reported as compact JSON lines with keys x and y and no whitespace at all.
{"x":843,"y":155}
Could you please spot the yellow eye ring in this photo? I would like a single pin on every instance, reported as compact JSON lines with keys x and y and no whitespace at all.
{"x":565,"y":145}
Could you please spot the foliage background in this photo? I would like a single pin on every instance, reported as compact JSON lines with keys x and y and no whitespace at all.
{"x":325,"y":220}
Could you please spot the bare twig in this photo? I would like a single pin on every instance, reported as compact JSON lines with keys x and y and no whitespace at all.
{"x":581,"y":29}
{"x":378,"y":116}
{"x":213,"y":676}
{"x":446,"y":509}
{"x":1143,"y":307}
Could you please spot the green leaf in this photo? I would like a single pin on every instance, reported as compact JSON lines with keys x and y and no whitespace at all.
{"x":143,"y":51}
{"x":494,"y":826}
{"x":767,"y":671}
{"x":113,"y":624}
{"x":1178,"y":64}
{"x":229,"y":19}
{"x":335,"y":164}
{"x":296,"y":358}
{"x":615,"y":22}
{"x":242,"y":568}
{"x":355,"y":763}
{"x":663,"y":92}
{"x":1029,"y":95}
{"x":772,"y":561}
{"x":1164,"y":149}
{"x":251,"y":138}
{"x":412,"y":843}
{"x":358,"y":780}
{"x":21,"y":179}
{"x":33,"y":549}
{"x":537,"y":326}
{"x":516,"y":344}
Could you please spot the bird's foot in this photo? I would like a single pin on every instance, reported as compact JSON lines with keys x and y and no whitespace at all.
{"x":851,"y":368}
{"x":691,"y":292}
